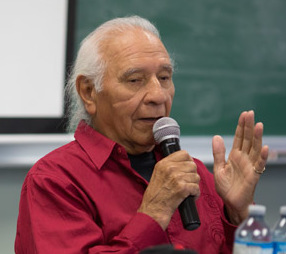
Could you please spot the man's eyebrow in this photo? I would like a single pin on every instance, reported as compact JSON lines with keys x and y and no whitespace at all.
{"x":166,"y":67}
{"x":129,"y":72}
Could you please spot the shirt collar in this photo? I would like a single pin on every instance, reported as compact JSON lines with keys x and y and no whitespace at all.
{"x":97,"y":146}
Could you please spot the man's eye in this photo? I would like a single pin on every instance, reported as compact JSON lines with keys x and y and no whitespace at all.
{"x":135,"y":80}
{"x":165,"y":78}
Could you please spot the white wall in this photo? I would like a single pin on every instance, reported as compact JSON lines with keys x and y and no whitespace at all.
{"x":32,"y":62}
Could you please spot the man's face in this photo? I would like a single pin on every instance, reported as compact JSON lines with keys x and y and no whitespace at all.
{"x":137,"y":90}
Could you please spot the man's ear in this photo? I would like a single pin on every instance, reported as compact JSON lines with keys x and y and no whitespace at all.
{"x":87,"y":93}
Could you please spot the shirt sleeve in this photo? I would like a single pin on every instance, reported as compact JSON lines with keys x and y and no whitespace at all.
{"x":54,"y":218}
{"x":229,"y":230}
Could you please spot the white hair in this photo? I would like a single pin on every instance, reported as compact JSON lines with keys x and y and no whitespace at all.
{"x":90,"y":63}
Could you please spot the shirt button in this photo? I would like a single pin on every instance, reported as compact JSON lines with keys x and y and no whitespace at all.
{"x":119,"y":150}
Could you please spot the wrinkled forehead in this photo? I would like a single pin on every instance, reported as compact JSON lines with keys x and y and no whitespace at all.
{"x":130,"y":41}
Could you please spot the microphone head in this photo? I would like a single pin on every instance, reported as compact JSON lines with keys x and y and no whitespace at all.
{"x":165,"y":128}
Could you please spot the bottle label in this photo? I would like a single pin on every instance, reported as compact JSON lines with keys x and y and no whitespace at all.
{"x":279,"y":248}
{"x":252,"y":248}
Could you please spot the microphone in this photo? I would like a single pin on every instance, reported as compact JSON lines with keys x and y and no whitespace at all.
{"x":166,"y":132}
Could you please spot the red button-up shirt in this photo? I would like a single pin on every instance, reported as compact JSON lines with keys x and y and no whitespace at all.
{"x":83,"y":198}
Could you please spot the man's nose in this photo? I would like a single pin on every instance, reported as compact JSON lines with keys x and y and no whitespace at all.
{"x":155,"y":93}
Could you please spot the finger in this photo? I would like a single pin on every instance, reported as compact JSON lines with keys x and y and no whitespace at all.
{"x":261,"y":162}
{"x":189,"y":188}
{"x":248,"y":132}
{"x":193,"y":190}
{"x":256,"y":143}
{"x":183,"y":166}
{"x":238,"y":137}
{"x":183,"y":183}
{"x":186,"y":179}
{"x":177,"y":156}
{"x":172,"y":164}
{"x":218,"y":152}
{"x":189,"y":177}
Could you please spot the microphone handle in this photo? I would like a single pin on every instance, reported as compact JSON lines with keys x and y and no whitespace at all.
{"x":188,"y":211}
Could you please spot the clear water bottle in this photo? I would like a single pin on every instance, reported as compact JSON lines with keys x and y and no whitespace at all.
{"x":279,"y":233}
{"x":253,"y":235}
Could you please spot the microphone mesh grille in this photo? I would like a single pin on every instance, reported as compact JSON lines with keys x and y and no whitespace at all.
{"x":164,"y":128}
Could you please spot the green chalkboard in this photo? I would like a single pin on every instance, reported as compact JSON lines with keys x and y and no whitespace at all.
{"x":230,"y":56}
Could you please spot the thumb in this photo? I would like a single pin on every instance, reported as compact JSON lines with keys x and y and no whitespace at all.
{"x":218,"y":152}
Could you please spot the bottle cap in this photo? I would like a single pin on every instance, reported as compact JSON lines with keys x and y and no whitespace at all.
{"x":257,"y":209}
{"x":283,"y":210}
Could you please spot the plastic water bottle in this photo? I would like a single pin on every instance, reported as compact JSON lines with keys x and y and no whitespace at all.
{"x":253,"y":235}
{"x":279,"y":233}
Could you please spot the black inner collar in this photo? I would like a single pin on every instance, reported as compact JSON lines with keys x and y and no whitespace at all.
{"x":143,"y":163}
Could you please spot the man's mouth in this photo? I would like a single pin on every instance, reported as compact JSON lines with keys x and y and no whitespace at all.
{"x":150,"y":119}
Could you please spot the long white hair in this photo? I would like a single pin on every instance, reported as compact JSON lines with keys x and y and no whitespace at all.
{"x":90,"y":63}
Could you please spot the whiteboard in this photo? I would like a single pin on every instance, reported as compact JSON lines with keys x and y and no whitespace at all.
{"x":32,"y":62}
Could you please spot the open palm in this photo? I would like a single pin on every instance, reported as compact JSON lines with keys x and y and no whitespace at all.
{"x":236,"y":178}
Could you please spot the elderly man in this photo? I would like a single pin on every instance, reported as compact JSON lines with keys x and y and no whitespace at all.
{"x":110,"y":190}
